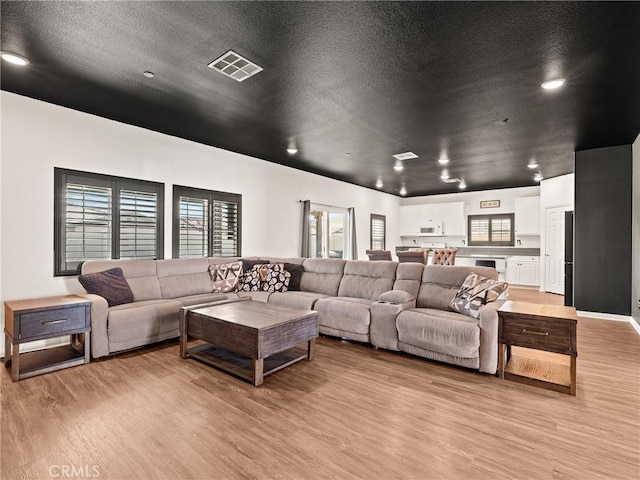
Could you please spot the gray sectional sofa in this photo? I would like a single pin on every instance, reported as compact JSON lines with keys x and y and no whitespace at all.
{"x":402,"y":307}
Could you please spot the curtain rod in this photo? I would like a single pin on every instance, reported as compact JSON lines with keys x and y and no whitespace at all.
{"x":324,"y":204}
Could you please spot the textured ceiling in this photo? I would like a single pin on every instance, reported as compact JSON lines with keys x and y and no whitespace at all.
{"x":350,"y":82}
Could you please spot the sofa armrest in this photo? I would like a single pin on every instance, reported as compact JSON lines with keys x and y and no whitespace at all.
{"x":99,"y":315}
{"x":489,"y":337}
{"x":396,"y":296}
{"x":383,"y":331}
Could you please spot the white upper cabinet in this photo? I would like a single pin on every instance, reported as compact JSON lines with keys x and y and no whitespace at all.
{"x":454,"y":220}
{"x":409,"y":220}
{"x":527,"y":216}
{"x":431,"y":214}
{"x":449,"y":215}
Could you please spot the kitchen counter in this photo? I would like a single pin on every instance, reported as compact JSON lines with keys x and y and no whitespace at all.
{"x":488,"y":252}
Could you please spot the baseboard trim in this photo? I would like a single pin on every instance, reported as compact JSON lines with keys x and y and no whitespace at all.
{"x":612,"y":317}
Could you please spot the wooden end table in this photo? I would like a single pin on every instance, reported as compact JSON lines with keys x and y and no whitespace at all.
{"x":548,"y":328}
{"x":42,"y":319}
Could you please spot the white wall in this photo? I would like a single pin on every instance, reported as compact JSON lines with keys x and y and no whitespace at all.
{"x":37,"y":136}
{"x":472,"y":201}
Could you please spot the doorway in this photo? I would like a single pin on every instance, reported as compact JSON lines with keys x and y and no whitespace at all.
{"x":329,"y":232}
{"x":554,"y":249}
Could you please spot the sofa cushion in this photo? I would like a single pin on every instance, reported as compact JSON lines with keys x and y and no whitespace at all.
{"x":475,"y":292}
{"x":304,"y":300}
{"x":345,"y":314}
{"x":141,"y":323}
{"x":141,"y":275}
{"x":110,"y":284}
{"x":440,"y":283}
{"x":409,"y":277}
{"x":181,"y":277}
{"x":440,"y":331}
{"x":205,"y":298}
{"x":322,"y":275}
{"x":225,"y":276}
{"x":364,"y":279}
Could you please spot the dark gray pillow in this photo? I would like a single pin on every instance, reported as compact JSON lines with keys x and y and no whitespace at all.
{"x":110,"y":284}
{"x":296,"y":272}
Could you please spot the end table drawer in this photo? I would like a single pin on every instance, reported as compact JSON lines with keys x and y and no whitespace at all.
{"x":52,"y":321}
{"x":540,"y":334}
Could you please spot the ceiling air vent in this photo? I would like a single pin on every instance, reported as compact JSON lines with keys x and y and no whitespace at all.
{"x":405,"y":156}
{"x":235,"y":66}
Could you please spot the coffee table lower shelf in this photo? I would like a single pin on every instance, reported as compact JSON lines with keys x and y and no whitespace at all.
{"x":242,"y":366}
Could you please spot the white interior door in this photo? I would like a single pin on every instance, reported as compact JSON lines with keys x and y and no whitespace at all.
{"x":554,"y":255}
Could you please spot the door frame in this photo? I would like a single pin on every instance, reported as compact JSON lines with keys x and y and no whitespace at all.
{"x":543,"y":241}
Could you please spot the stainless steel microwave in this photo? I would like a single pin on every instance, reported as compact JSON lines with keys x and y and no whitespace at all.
{"x":432,"y":230}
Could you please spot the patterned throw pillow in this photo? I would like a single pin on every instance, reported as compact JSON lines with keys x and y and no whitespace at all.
{"x":250,"y":281}
{"x":110,"y":284}
{"x":275,"y":278}
{"x":475,"y":292}
{"x":225,"y":276}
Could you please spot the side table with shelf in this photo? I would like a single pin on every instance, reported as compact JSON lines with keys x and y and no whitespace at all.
{"x":546,"y":328}
{"x":41,"y":319}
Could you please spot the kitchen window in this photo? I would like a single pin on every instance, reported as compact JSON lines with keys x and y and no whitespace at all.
{"x":491,"y":230}
{"x":104,"y":217}
{"x":206,"y":223}
{"x":378,"y":229}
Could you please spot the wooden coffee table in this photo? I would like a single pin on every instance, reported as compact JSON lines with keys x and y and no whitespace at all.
{"x":247,"y":338}
{"x":543,"y":328}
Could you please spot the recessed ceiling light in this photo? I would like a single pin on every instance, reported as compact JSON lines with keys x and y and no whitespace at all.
{"x":14,"y":58}
{"x":532,"y":163}
{"x":445,"y":175}
{"x":462,"y":185}
{"x":379,"y":184}
{"x":405,"y":156}
{"x":443,"y":160}
{"x":292,"y":150}
{"x":538,"y":177}
{"x":553,"y":83}
{"x":398,"y":167}
{"x":235,"y":66}
{"x":149,"y":74}
{"x":403,"y":191}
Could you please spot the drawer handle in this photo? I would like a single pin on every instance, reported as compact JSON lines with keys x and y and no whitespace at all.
{"x":544,"y":334}
{"x":52,"y":322}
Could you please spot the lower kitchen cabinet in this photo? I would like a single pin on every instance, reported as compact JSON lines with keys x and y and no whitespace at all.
{"x":523,"y":271}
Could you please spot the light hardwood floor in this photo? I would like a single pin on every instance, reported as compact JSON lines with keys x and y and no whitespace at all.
{"x":352,"y":412}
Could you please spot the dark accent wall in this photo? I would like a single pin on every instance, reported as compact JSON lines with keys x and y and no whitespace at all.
{"x":603,"y":238}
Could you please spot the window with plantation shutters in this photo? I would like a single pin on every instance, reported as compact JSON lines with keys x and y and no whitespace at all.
{"x":491,"y":230}
{"x":378,"y":232}
{"x":206,"y":223}
{"x":104,"y":217}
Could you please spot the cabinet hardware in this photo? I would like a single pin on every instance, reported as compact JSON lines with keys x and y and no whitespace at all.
{"x":51,"y":322}
{"x":544,"y":334}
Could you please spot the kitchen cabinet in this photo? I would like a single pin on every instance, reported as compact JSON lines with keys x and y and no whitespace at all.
{"x":409,"y":220}
{"x":449,"y":215}
{"x":523,"y":270}
{"x":453,"y":219}
{"x":527,"y":216}
{"x":431,"y":214}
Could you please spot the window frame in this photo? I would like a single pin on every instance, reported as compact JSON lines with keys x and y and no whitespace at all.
{"x":490,"y":242}
{"x":382,"y":218}
{"x":211,"y":196}
{"x":62,"y":176}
